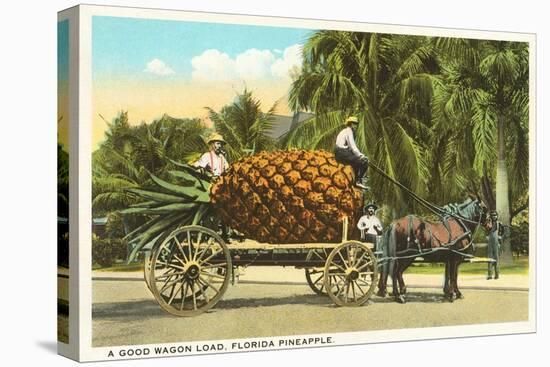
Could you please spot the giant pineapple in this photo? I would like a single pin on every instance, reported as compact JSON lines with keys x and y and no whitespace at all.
{"x":290,"y":196}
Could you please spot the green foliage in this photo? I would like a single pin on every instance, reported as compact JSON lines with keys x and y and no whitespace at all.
{"x":106,"y":251}
{"x":385,"y":80}
{"x":129,"y":152}
{"x":62,"y":182}
{"x":482,"y":83}
{"x":428,"y":108}
{"x":244,"y":126}
{"x":519,"y":238}
{"x":115,"y":226}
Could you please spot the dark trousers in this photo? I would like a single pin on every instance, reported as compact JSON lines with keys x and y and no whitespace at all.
{"x":370,"y":238}
{"x":346,"y":156}
{"x":493,"y":252}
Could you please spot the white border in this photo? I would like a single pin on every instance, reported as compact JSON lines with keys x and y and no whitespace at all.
{"x":87,"y":353}
{"x":70,"y":349}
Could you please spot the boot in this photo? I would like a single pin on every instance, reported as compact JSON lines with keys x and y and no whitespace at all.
{"x":362,"y":183}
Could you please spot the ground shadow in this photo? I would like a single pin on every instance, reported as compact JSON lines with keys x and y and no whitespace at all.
{"x":150,"y":308}
{"x":48,"y":345}
{"x":413,"y":297}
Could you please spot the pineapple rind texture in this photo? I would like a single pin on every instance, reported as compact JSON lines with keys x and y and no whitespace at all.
{"x":292,"y":196}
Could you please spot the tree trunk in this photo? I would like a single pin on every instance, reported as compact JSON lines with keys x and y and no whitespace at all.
{"x":503,"y":203}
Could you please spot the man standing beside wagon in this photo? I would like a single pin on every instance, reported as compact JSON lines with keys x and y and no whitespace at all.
{"x":494,"y":237}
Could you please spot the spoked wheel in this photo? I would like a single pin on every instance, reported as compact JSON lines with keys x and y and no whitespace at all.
{"x":147,"y":268}
{"x":350,"y":274}
{"x":190,"y":271}
{"x":315,"y":277}
{"x":147,"y":262}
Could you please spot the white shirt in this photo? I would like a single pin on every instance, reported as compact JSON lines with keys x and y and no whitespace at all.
{"x":368,"y":223}
{"x":216,"y":164}
{"x":345,"y":140}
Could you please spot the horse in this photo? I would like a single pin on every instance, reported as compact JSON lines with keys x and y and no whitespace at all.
{"x":448,"y":240}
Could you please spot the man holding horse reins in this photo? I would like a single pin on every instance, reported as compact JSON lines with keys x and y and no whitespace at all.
{"x":369,"y":224}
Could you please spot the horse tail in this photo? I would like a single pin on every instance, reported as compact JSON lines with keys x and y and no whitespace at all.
{"x":388,"y":247}
{"x":383,"y":265}
{"x":391,"y":252}
{"x":392,"y":242}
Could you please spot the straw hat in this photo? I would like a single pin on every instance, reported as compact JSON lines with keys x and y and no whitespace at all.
{"x":216,"y":137}
{"x":351,"y":119}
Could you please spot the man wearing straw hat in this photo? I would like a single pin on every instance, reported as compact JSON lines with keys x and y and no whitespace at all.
{"x":346,"y":151}
{"x":214,"y":161}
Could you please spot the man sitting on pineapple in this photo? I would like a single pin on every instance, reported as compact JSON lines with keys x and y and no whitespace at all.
{"x":346,"y":151}
{"x":214,"y":161}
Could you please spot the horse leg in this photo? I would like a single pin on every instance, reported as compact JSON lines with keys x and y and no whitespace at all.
{"x":446,"y":282}
{"x":404,"y":264}
{"x":452,"y":296}
{"x":383,"y":281}
{"x":394,"y":269}
{"x":455,"y":279}
{"x":448,"y":290}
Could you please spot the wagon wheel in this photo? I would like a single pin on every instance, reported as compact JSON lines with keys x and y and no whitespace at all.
{"x":315,"y":279}
{"x":315,"y":276}
{"x":190,"y":271}
{"x":350,"y":274}
{"x":147,"y":268}
{"x":147,"y":255}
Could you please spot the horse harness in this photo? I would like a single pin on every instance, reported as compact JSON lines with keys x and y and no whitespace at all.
{"x":414,"y":244}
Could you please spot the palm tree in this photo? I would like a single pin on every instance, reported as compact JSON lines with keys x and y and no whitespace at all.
{"x":386,"y":80}
{"x":485,"y":96}
{"x":244,"y":126}
{"x":129,"y":153}
{"x":62,"y":181}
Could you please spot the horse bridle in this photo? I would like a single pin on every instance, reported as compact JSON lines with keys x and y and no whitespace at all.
{"x":461,"y":221}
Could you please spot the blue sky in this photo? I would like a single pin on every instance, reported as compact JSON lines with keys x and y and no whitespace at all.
{"x":63,"y":50}
{"x":123,"y":46}
{"x":150,"y":67}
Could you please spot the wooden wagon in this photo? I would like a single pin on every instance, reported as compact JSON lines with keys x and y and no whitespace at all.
{"x":189,"y":271}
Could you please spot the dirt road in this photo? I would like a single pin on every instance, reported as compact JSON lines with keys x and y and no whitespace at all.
{"x":125,"y":312}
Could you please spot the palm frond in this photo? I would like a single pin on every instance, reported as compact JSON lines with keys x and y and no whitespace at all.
{"x":306,"y":134}
{"x":484,"y":122}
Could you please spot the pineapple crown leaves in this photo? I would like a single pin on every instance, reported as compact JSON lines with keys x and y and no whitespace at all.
{"x":170,"y":205}
{"x":156,"y":229}
{"x":201,"y":178}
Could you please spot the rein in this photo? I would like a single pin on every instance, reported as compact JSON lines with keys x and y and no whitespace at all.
{"x":437,"y":210}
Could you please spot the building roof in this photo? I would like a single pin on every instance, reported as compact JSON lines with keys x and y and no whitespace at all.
{"x":99,"y":221}
{"x":282,"y":124}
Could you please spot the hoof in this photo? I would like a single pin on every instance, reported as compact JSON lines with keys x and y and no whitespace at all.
{"x":459,"y":296}
{"x":400,"y":299}
{"x":403,"y":290}
{"x":382,"y":294}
